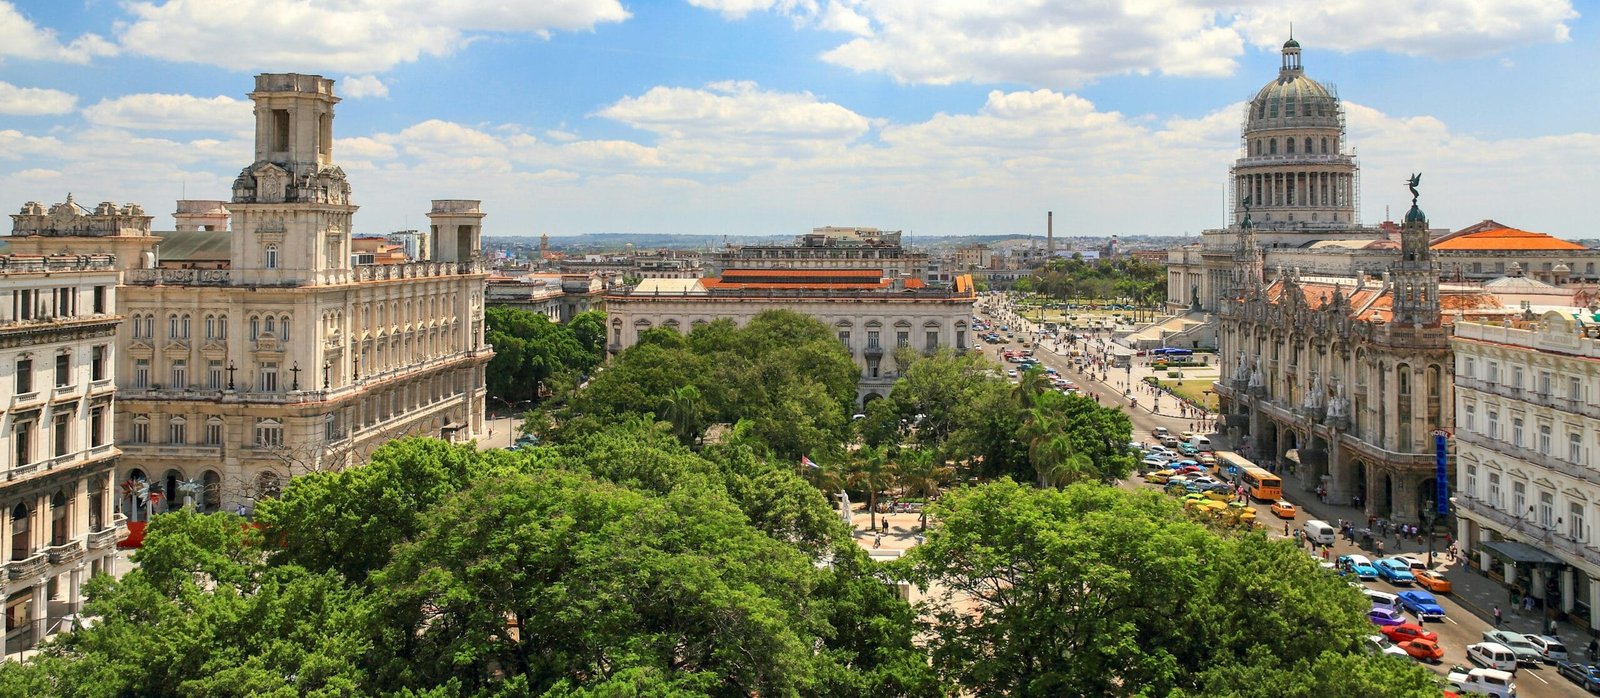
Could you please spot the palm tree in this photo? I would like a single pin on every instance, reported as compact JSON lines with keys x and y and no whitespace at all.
{"x":922,"y":475}
{"x":1030,"y":386}
{"x":684,"y":410}
{"x":874,"y":472}
{"x":1055,"y":460}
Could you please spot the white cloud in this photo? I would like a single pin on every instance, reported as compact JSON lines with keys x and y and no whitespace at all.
{"x":362,"y":87}
{"x":21,"y":38}
{"x":169,"y":112}
{"x":1066,"y":43}
{"x":355,"y":36}
{"x":34,"y":101}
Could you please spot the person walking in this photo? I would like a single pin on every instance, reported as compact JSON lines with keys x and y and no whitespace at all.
{"x":1497,"y":620}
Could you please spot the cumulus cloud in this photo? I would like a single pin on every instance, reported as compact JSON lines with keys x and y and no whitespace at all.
{"x":1067,"y":43}
{"x":355,"y":36}
{"x":34,"y":101}
{"x":170,"y":112}
{"x":362,"y":87}
{"x":21,"y":38}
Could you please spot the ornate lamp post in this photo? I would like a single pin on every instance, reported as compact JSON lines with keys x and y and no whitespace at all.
{"x":231,"y":369}
{"x":294,"y":384}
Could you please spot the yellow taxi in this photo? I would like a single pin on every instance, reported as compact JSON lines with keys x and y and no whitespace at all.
{"x":1208,"y":460}
{"x":1186,"y":435}
{"x":1160,"y":477}
{"x":1432,"y":581}
{"x":1283,"y":509}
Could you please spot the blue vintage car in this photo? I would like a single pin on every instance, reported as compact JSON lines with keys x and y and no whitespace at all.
{"x":1586,"y":676}
{"x":1396,"y":572}
{"x":1421,"y":604}
{"x":1359,"y":566}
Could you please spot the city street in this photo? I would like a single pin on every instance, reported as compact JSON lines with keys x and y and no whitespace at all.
{"x":1468,"y":609}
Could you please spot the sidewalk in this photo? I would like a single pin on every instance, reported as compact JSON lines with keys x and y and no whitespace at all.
{"x":1470,"y":588}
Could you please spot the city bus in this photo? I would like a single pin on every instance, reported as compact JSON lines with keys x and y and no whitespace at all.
{"x":1258,"y":483}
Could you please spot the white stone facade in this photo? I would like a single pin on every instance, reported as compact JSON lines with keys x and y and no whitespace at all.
{"x":1527,"y":437}
{"x":57,"y":353}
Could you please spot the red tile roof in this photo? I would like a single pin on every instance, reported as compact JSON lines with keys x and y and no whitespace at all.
{"x":1490,"y":239}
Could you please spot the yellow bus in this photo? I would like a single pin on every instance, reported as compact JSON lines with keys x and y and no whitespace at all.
{"x":1261,"y":485}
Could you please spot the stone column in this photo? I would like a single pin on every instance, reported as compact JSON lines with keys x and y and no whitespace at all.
{"x":39,"y":610}
{"x":1536,"y":582}
{"x":74,"y":589}
{"x":1404,"y":507}
{"x":1342,"y":484}
{"x":1594,"y":602}
{"x":1567,"y":591}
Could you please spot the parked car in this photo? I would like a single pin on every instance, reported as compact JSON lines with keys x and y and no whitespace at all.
{"x":1409,"y":631}
{"x":1492,"y":655}
{"x":1586,"y":676}
{"x":1395,"y":572}
{"x":1421,"y":604}
{"x":1483,"y":682}
{"x":1525,"y":651}
{"x":1359,"y":566}
{"x":1283,"y":509}
{"x":1432,"y":581}
{"x":1423,"y":650}
{"x":1378,"y":644}
{"x":1382,"y":617}
{"x":1550,"y":647}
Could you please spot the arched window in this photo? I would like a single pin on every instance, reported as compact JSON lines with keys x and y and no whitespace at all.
{"x":149,"y":326}
{"x":272,"y":325}
{"x":1308,"y":146}
{"x":272,"y":257}
{"x":1288,"y":144}
{"x":1433,"y":381}
{"x":1324,"y":146}
{"x":183,"y":326}
{"x":58,"y":519}
{"x":20,"y":548}
{"x":211,"y":327}
{"x":172,"y":327}
{"x":222,"y":327}
{"x":283,"y":328}
{"x":1272,"y":147}
{"x":255,"y":327}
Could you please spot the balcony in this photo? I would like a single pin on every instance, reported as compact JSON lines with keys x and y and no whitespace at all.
{"x":105,"y":539}
{"x":177,"y":277}
{"x":28,"y":568}
{"x":22,"y":400}
{"x":1542,"y":460}
{"x":185,"y":451}
{"x":1527,"y":530}
{"x":70,"y":551}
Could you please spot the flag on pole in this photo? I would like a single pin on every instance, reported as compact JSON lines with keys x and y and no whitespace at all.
{"x":807,"y":462}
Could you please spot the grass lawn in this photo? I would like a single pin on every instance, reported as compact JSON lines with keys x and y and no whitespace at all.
{"x":1192,"y":389}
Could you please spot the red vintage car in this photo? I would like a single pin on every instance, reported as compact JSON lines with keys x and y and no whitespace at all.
{"x":1409,"y":631}
{"x":1423,"y":650}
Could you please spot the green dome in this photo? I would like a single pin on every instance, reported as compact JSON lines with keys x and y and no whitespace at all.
{"x":1291,"y":44}
{"x":1415,"y":215}
{"x":1292,"y":87}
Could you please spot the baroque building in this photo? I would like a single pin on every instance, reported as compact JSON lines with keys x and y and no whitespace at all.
{"x":58,"y":347}
{"x":1342,"y":380}
{"x":289,"y":358}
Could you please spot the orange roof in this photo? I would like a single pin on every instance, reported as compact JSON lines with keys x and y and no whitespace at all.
{"x":1494,"y":239}
{"x":874,"y":274}
{"x":713,"y":282}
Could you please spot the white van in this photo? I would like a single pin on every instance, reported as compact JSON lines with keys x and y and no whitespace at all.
{"x":1319,"y":532}
{"x":1201,"y":443}
{"x":1492,"y":655}
{"x":1160,"y":432}
{"x":1382,"y":599}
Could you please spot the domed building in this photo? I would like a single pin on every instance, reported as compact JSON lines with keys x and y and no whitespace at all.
{"x":1294,"y":168}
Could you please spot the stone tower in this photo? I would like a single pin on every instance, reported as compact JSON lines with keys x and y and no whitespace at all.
{"x":1294,"y":167}
{"x":291,"y":207}
{"x":1415,"y":276}
{"x":456,"y":228}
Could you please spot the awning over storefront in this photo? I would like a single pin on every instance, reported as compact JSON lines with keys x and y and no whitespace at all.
{"x":1520,"y":553}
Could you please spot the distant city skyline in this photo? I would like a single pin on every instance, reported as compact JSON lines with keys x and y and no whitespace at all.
{"x":770,"y":117}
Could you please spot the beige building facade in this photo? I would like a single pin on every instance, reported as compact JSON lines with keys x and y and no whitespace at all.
{"x":58,"y":350}
{"x":292,"y":359}
{"x":1527,"y":437}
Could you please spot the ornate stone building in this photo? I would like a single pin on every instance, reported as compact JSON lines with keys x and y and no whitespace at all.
{"x":290,"y":358}
{"x":1343,"y":379}
{"x":57,"y":348}
{"x":872,"y":315}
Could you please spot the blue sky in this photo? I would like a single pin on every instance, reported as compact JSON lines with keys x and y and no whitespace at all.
{"x":773,"y":116}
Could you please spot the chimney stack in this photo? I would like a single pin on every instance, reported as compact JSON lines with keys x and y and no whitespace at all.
{"x":1049,"y":234}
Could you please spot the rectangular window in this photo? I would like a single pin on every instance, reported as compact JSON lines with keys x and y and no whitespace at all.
{"x":61,"y":431}
{"x":932,"y":340}
{"x":1544,"y":439}
{"x":24,"y":376}
{"x":1516,"y":377}
{"x":97,"y":426}
{"x":1469,"y":418}
{"x":1492,"y":428}
{"x":1544,"y":383}
{"x":180,"y":375}
{"x":177,"y":432}
{"x":961,"y":339}
{"x":22,"y":441}
{"x":902,"y":339}
{"x":141,"y":373}
{"x":1575,"y":388}
{"x":331,"y":428}
{"x":213,"y":433}
{"x":844,"y":338}
{"x":872,"y":340}
{"x":1472,"y":480}
{"x":269,"y":377}
{"x":1516,"y":432}
{"x":1494,"y":490}
{"x":214,"y":374}
{"x":99,"y":300}
{"x":1575,"y":447}
{"x":280,"y":130}
{"x":1519,"y":499}
{"x":268,"y":433}
{"x":63,"y":370}
{"x":141,"y":431}
{"x":1494,"y":372}
{"x":1469,"y":367}
{"x":1547,"y":509}
{"x":97,"y":363}
{"x":1577,"y":523}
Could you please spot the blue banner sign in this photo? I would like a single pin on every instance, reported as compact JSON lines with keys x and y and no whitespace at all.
{"x":1441,"y":476}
